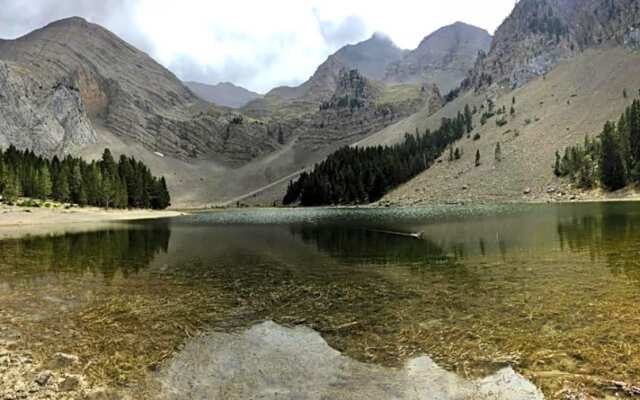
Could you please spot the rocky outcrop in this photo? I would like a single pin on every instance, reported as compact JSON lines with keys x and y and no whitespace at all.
{"x":357,"y":107}
{"x":23,"y":377}
{"x":443,"y":58}
{"x":539,"y":34}
{"x":46,"y":116}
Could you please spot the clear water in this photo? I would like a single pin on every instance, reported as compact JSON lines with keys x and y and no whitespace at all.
{"x":552,"y":290}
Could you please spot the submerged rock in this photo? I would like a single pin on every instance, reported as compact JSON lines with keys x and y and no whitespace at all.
{"x":63,"y":360}
{"x":43,"y":377}
{"x":69,"y":383}
{"x":269,"y":361}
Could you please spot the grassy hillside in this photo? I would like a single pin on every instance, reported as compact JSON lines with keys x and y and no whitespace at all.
{"x":552,"y":112}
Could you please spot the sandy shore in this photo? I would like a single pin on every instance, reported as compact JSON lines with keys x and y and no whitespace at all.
{"x":21,"y":221}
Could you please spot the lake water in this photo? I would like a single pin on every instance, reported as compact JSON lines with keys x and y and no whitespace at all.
{"x":551,"y":290}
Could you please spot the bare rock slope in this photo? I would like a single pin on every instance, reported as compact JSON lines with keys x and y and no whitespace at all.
{"x":552,"y":112}
{"x":39,"y":115}
{"x":539,"y":34}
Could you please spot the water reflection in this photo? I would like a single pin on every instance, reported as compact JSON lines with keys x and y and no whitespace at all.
{"x":125,"y":250}
{"x":612,"y":237}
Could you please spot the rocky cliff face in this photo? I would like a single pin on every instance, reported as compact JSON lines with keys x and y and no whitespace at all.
{"x":442,"y":58}
{"x":41,"y":115}
{"x":540,"y":33}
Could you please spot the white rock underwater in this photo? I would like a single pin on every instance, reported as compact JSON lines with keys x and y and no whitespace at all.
{"x":269,"y":361}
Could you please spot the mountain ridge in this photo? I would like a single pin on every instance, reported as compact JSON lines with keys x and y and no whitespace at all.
{"x":224,"y":94}
{"x":78,"y":88}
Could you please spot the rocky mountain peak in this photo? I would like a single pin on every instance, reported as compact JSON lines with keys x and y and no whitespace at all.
{"x":371,"y":57}
{"x":442,"y":58}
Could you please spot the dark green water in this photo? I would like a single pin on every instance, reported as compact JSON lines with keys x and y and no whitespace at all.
{"x":552,"y":290}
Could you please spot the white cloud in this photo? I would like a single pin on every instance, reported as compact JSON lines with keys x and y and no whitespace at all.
{"x":255,"y":43}
{"x":283,"y":41}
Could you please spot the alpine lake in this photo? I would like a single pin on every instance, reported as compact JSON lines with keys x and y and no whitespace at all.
{"x":552,"y":290}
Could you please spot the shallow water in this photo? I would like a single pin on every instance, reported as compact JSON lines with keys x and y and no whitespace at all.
{"x":550,"y":290}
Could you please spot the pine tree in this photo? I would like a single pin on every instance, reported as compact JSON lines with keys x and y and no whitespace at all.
{"x":43,"y":185}
{"x":3,"y":172}
{"x":468,"y":118}
{"x":478,"y":158}
{"x":164,"y":200}
{"x":63,"y":191}
{"x":12,"y":189}
{"x":557,"y":171}
{"x":82,"y":199}
{"x":498,"y":153}
{"x":633,"y":128}
{"x":612,"y":174}
{"x":76,"y":184}
{"x":280,"y":136}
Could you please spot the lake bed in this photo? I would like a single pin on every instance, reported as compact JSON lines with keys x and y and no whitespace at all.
{"x":551,"y":291}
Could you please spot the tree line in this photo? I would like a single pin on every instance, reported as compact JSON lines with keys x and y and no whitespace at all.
{"x":355,"y":175}
{"x":104,"y":183}
{"x":611,"y":160}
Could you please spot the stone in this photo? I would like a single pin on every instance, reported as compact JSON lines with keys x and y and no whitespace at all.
{"x":43,"y":377}
{"x":69,"y":383}
{"x":63,"y":360}
{"x":527,"y":191}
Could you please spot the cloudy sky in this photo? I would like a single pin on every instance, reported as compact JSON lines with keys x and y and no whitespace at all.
{"x":254,"y":43}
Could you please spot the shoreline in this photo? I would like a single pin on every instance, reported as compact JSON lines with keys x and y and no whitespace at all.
{"x":17,"y":221}
{"x":12,"y":216}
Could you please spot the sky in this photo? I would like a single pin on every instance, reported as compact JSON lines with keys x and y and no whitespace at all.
{"x":258,"y":44}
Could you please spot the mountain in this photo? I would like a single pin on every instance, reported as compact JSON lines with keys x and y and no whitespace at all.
{"x":224,"y":94}
{"x":566,"y":67}
{"x":371,"y":57}
{"x":73,"y":87}
{"x":71,"y":78}
{"x":443,"y":58}
{"x":539,"y":34}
